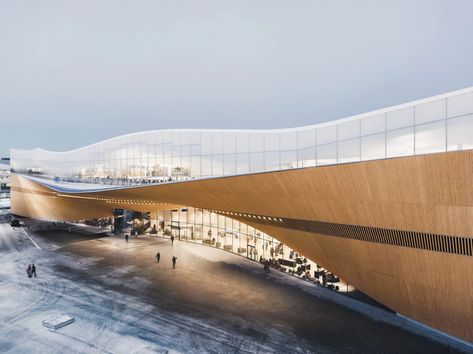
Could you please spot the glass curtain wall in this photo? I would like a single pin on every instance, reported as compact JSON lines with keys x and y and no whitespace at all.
{"x":430,"y":126}
{"x":208,"y":228}
{"x":205,"y":227}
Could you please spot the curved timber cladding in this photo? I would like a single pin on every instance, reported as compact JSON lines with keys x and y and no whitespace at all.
{"x":420,"y":267}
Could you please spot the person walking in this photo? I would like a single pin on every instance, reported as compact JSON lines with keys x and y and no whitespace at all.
{"x":28,"y":271}
{"x":158,"y":256}
{"x":172,"y":239}
{"x":33,"y":270}
{"x":126,"y":238}
{"x":174,"y":259}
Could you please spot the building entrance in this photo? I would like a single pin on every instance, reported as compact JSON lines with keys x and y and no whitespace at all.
{"x":251,"y":252}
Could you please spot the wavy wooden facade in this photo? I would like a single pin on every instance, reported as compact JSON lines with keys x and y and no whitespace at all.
{"x":412,"y":216}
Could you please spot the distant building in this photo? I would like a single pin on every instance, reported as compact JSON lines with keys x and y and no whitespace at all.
{"x":4,"y":183}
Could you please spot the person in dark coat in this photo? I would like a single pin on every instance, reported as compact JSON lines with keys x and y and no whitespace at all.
{"x":172,"y":239}
{"x":126,"y":237}
{"x":33,"y":270}
{"x":174,"y":259}
{"x":158,"y":256}
{"x":28,"y":271}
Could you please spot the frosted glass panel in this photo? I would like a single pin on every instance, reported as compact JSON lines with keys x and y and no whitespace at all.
{"x":460,"y":133}
{"x":206,"y":165}
{"x":257,"y":162}
{"x":400,"y":118}
{"x":271,"y":161}
{"x":185,"y":164}
{"x":431,"y":111}
{"x":306,"y":138}
{"x":288,"y":141}
{"x":175,"y":142}
{"x":206,"y":143}
{"x":243,"y":142}
{"x":217,"y":165}
{"x":349,"y":151}
{"x":430,"y":138}
{"x":349,"y":130}
{"x":195,"y":149}
{"x":271,"y":142}
{"x":307,"y":157}
{"x":242,"y":163}
{"x":217,"y":143}
{"x":229,"y":164}
{"x":185,"y":138}
{"x":459,"y":105}
{"x":288,"y":159}
{"x":195,"y":138}
{"x":327,"y":154}
{"x":229,"y":143}
{"x":195,"y":166}
{"x":373,"y":147}
{"x":326,"y":135}
{"x":257,"y":142}
{"x":373,"y":125}
{"x":400,"y":142}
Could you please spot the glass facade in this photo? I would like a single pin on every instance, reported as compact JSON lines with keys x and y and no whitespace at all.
{"x":438,"y":124}
{"x":212,"y":229}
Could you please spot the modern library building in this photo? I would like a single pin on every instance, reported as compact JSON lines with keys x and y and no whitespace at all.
{"x":384,"y":200}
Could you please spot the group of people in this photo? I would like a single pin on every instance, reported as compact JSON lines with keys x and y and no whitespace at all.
{"x":31,"y":270}
{"x":266,"y":264}
{"x":270,"y":262}
{"x":174,"y":259}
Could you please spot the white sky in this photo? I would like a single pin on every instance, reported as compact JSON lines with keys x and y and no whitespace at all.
{"x":76,"y":72}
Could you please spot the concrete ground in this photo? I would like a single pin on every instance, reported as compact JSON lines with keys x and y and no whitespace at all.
{"x":213,"y":302}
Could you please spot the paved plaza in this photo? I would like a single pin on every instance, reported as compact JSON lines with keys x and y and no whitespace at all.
{"x":124,"y":301}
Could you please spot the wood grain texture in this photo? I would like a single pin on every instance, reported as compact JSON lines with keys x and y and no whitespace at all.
{"x":426,"y":193}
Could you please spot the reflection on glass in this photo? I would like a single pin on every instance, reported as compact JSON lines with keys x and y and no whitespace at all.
{"x":373,"y":124}
{"x":327,"y":154}
{"x":460,"y":135}
{"x":349,"y":151}
{"x":257,"y":162}
{"x":288,"y":159}
{"x":400,"y":118}
{"x":177,"y":155}
{"x":271,"y":161}
{"x":288,"y":140}
{"x":431,"y":111}
{"x":373,"y":147}
{"x":460,"y":105}
{"x":430,"y":138}
{"x":349,"y":130}
{"x":400,"y":142}
{"x":307,"y":157}
{"x":271,"y":142}
{"x":326,"y":135}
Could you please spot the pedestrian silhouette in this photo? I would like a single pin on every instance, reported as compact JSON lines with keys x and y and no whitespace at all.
{"x":33,"y":270}
{"x":174,"y":259}
{"x":172,"y":239}
{"x":28,"y":271}
{"x":158,"y":256}
{"x":126,"y":237}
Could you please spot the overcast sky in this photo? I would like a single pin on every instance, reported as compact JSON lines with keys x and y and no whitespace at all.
{"x":76,"y":72}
